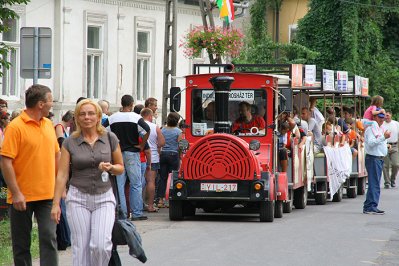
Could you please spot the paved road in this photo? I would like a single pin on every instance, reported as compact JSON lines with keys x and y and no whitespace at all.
{"x":334,"y":234}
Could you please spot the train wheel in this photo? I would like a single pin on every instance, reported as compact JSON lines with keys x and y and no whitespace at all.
{"x":300,"y":198}
{"x":338,"y":195}
{"x":287,"y":206}
{"x":176,"y":210}
{"x":361,"y":186}
{"x":278,"y":209}
{"x":351,"y":192}
{"x":188,"y":209}
{"x":321,"y":193}
{"x":321,"y":198}
{"x":266,"y":211}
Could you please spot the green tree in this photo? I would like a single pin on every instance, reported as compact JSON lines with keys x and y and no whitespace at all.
{"x":349,"y":36}
{"x":5,"y":15}
{"x":259,"y":47}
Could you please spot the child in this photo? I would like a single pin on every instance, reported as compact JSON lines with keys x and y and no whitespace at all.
{"x":376,"y":102}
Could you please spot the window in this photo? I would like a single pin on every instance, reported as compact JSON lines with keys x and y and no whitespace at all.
{"x":143,"y":64}
{"x":94,"y":61}
{"x":292,"y":32}
{"x":204,"y":113}
{"x":9,"y":80}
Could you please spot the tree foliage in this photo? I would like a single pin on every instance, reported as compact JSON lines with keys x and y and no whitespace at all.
{"x":354,"y":36}
{"x":5,"y":15}
{"x":259,"y":47}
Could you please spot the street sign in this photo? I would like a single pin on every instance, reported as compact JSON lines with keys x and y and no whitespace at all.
{"x":35,"y":53}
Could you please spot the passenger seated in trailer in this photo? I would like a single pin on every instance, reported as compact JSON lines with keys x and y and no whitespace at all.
{"x":327,"y":131}
{"x":248,"y":123}
{"x":283,"y":145}
{"x":316,"y":114}
{"x":313,"y":128}
{"x":353,"y":136}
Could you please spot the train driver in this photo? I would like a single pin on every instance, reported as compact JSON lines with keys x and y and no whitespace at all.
{"x":247,"y":122}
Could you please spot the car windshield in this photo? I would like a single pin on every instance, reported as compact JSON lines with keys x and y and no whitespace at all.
{"x":247,"y":109}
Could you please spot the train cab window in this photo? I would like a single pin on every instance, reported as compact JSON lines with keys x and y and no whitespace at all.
{"x":251,"y":123}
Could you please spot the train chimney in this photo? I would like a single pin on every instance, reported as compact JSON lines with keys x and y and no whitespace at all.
{"x":221,"y":85}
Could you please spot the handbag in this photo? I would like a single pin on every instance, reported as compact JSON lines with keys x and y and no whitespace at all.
{"x":124,"y":232}
{"x":118,"y":237}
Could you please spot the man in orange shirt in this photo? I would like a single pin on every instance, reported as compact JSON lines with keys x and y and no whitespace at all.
{"x":30,"y":153}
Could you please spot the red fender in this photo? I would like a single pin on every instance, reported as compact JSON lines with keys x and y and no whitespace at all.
{"x":168,"y":186}
{"x":282,"y":186}
{"x":272,"y":188}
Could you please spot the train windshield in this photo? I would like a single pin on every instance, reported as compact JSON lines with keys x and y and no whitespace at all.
{"x":246,"y":112}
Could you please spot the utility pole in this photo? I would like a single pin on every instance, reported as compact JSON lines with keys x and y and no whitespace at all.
{"x":169,"y":63}
{"x":206,"y":14}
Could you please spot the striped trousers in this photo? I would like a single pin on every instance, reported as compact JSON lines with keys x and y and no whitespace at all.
{"x":91,"y":219}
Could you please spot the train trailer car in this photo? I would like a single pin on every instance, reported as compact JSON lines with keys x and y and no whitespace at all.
{"x":226,"y":163}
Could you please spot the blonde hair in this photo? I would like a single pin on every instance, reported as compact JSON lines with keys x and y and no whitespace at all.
{"x":377,"y":100}
{"x":100,"y":129}
{"x":146,"y":112}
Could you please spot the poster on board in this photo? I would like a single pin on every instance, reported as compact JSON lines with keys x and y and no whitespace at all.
{"x":358,"y":85}
{"x":342,"y":81}
{"x":365,"y":86}
{"x":296,"y":75}
{"x":328,"y":80}
{"x":310,"y":75}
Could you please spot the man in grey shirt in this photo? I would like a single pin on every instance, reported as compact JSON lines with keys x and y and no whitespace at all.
{"x":312,"y":126}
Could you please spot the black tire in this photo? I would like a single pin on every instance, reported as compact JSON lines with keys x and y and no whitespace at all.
{"x":351,"y":192}
{"x":361,"y":186}
{"x":266,"y":211}
{"x":300,"y":198}
{"x":278,"y":209}
{"x":321,"y":198}
{"x":188,"y":209}
{"x":338,"y":195}
{"x":287,"y":206}
{"x":176,"y":210}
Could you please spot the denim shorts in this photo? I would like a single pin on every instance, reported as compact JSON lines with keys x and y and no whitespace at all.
{"x":155,"y":166}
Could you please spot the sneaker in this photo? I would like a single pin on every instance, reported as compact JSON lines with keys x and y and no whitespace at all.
{"x":377,"y":212}
{"x":393,"y":184}
{"x":386,"y":186}
{"x":139,"y":218}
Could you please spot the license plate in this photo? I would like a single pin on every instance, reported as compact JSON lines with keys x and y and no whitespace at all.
{"x":219,"y":187}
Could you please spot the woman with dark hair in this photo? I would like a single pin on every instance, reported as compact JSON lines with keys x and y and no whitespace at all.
{"x":61,"y":128}
{"x":169,"y":158}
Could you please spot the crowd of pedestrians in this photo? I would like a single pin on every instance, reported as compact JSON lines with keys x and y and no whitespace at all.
{"x":60,"y":172}
{"x":90,"y":143}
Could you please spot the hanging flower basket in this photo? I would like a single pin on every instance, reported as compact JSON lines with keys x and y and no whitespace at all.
{"x":217,"y":41}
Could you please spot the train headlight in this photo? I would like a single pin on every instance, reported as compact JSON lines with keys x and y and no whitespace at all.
{"x":254,"y":145}
{"x":257,"y":186}
{"x":184,"y":145}
{"x":179,"y":185}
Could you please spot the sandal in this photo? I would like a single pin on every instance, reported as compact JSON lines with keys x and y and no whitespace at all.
{"x":153,"y":210}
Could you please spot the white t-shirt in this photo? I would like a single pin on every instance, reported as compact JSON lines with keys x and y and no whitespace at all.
{"x":392,"y":126}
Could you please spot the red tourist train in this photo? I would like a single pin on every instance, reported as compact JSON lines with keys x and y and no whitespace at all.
{"x":226,"y":165}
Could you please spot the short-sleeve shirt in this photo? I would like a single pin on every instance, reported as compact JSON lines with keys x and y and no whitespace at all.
{"x":171,"y":135}
{"x":256,"y":121}
{"x":368,"y":114}
{"x":32,"y":147}
{"x":86,"y":176}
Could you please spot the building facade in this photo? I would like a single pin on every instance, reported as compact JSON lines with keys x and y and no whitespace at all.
{"x":101,"y":49}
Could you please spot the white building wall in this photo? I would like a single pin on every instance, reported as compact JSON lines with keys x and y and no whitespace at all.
{"x":120,"y":19}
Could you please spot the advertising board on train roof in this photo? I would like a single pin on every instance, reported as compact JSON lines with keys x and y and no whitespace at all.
{"x":328,"y":80}
{"x":310,"y":76}
{"x":342,"y":80}
{"x":296,"y":75}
